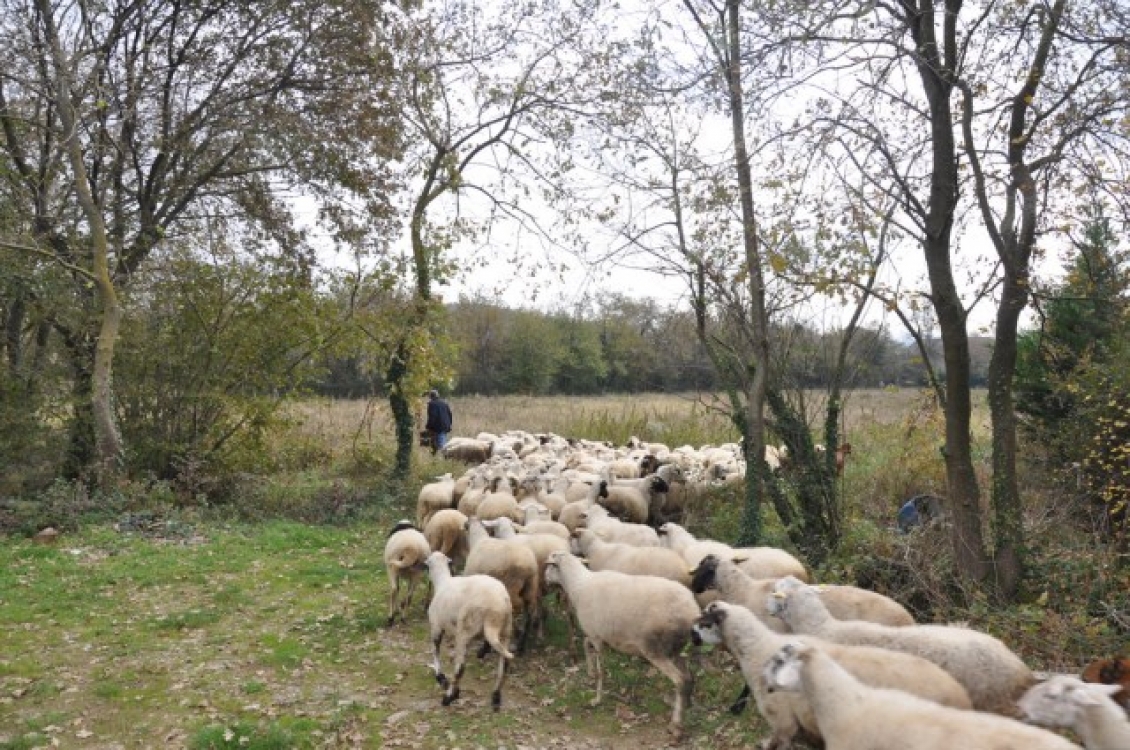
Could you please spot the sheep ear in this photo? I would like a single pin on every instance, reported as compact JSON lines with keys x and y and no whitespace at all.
{"x":1092,"y":689}
{"x":584,"y":561}
{"x":738,"y":559}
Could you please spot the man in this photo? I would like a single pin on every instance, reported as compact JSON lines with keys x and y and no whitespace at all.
{"x":439,"y":420}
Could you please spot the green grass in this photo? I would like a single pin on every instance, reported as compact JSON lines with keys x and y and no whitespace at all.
{"x":274,"y":633}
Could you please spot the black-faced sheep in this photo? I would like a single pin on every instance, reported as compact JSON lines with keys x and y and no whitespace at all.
{"x":756,"y":562}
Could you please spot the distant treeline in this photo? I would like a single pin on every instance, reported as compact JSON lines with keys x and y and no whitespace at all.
{"x":630,"y":345}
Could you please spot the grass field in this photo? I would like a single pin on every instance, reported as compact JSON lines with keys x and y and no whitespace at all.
{"x":198,"y":629}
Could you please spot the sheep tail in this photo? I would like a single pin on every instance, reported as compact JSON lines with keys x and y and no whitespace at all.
{"x":493,"y":629}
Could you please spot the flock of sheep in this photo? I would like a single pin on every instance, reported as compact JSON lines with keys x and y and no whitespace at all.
{"x":837,"y":666}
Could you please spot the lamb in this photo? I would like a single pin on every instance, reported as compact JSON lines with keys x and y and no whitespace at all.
{"x":445,"y":533}
{"x":434,"y":497}
{"x":993,"y":675}
{"x":406,"y":552}
{"x":626,"y":558}
{"x":843,"y":602}
{"x":469,"y":606}
{"x":789,"y":714}
{"x":757,"y":562}
{"x":636,"y":615}
{"x":1085,"y":707}
{"x":854,"y":716}
{"x":512,"y":563}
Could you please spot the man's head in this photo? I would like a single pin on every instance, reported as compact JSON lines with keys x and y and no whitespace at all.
{"x":433,"y":394}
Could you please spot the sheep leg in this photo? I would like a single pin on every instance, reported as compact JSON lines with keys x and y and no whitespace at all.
{"x":461,"y":642}
{"x":679,"y":675}
{"x":393,"y":595}
{"x":742,"y":701}
{"x":593,"y":646}
{"x":496,"y":694}
{"x":437,"y":641}
{"x":408,"y":599}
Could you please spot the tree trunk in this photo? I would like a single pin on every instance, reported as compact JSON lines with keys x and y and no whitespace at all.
{"x":401,"y":406}
{"x":757,"y":470}
{"x":1008,"y":515}
{"x":81,"y":452}
{"x":935,"y":64}
{"x":107,"y":438}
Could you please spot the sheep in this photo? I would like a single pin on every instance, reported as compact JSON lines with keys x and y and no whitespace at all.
{"x":656,"y":489}
{"x":1087,"y":708}
{"x":572,"y":514}
{"x":757,"y":562}
{"x":512,"y":563}
{"x":1114,"y":671}
{"x":433,"y":497}
{"x":854,"y":716}
{"x":788,"y":714}
{"x":542,"y":545}
{"x":445,"y":533}
{"x":626,"y":503}
{"x":636,"y":615}
{"x":469,"y":606}
{"x":994,"y":676}
{"x":468,"y":450}
{"x":473,"y":495}
{"x":843,"y":602}
{"x":499,"y":502}
{"x":614,"y":530}
{"x":626,"y":558}
{"x":406,"y":551}
{"x":533,"y":524}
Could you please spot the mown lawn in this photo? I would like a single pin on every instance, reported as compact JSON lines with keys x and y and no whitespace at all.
{"x":271,"y":636}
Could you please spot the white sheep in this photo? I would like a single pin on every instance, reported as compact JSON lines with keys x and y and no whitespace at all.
{"x":789,"y":714}
{"x":636,"y":615}
{"x":446,"y":533}
{"x":1087,"y":708}
{"x":612,"y":529}
{"x":535,"y":524}
{"x":992,"y":674}
{"x":468,"y":606}
{"x":757,"y":562}
{"x":468,"y":450}
{"x":854,"y":716}
{"x":512,"y":563}
{"x":627,"y":558}
{"x":843,"y":602}
{"x":500,"y":502}
{"x":406,"y":552}
{"x":433,"y":497}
